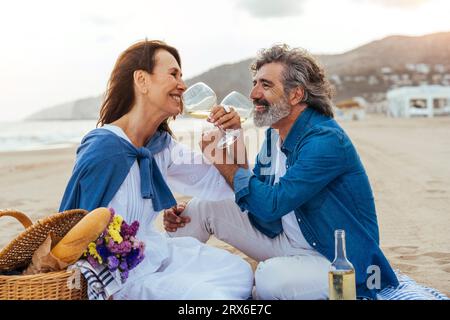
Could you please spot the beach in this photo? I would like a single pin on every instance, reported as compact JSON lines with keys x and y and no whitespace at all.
{"x":407,"y":160}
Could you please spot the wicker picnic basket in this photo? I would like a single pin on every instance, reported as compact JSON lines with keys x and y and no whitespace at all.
{"x":59,"y":285}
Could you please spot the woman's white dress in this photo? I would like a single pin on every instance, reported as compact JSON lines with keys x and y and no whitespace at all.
{"x":179,"y":268}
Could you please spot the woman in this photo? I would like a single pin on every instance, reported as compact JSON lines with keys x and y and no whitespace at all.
{"x":123,"y":163}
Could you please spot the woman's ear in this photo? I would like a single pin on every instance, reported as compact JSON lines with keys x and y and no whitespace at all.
{"x":141,"y":81}
{"x":296,"y":96}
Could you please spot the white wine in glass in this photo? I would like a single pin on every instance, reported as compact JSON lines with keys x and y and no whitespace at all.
{"x":198,"y":100}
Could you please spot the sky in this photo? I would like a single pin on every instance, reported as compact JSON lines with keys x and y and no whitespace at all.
{"x":53,"y":51}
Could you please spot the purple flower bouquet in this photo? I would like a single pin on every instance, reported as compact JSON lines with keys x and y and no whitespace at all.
{"x":117,"y":247}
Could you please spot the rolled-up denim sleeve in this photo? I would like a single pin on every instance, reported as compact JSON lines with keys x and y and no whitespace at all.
{"x":320,"y":160}
{"x":241,"y":184}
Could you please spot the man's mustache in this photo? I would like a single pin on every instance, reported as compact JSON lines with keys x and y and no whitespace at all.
{"x":261,"y":102}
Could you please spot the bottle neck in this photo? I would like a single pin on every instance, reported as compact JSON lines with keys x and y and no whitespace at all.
{"x":339,"y":252}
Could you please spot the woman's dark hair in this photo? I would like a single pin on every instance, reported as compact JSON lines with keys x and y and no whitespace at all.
{"x":119,"y":96}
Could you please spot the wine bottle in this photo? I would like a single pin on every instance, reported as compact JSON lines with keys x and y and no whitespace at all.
{"x":341,"y":277}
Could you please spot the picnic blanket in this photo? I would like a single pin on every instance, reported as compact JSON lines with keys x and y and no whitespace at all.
{"x":102,"y":284}
{"x":408,"y":289}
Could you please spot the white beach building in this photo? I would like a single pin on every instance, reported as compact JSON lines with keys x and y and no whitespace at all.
{"x":351,"y":109}
{"x":426,"y":100}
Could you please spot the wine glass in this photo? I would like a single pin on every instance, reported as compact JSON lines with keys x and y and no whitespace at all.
{"x":200,"y":98}
{"x":243,"y":106}
{"x":198,"y":101}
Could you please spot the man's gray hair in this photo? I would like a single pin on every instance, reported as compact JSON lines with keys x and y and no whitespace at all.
{"x":300,"y":70}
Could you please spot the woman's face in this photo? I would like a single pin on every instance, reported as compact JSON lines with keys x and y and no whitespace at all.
{"x":166,"y":85}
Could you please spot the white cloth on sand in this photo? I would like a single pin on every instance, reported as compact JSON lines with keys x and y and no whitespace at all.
{"x":179,"y":268}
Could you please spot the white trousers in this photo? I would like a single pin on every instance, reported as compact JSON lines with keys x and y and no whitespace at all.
{"x":284,"y":271}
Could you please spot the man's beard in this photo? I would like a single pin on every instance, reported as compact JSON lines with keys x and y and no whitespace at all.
{"x":274,"y":112}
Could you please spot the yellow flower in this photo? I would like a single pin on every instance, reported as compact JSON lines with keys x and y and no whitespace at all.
{"x":115,"y":235}
{"x":117,"y":222}
{"x":92,"y":248}
{"x":114,"y":229}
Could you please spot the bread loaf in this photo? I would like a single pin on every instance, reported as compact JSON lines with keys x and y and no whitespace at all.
{"x":76,"y":241}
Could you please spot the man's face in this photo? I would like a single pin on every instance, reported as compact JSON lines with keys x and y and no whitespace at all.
{"x":271,"y":104}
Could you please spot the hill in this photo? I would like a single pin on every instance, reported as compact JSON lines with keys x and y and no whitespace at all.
{"x":368,"y":71}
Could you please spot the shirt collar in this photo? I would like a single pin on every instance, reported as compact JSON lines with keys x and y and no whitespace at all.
{"x":298,"y":129}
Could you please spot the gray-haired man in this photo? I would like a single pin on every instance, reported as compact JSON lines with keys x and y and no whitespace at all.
{"x":308,"y":181}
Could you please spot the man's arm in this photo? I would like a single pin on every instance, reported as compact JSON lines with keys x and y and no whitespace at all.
{"x":228,"y":171}
{"x":226,"y":121}
{"x":321,"y":160}
{"x":227,"y":164}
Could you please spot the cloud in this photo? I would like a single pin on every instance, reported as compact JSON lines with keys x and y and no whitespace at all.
{"x":104,"y":38}
{"x":271,"y":8}
{"x":99,"y":20}
{"x":405,"y":4}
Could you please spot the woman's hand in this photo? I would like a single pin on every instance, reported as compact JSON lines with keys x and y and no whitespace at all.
{"x":223,"y":119}
{"x":172,"y":219}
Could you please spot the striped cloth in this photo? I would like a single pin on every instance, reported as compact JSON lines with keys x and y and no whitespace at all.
{"x":408,"y":289}
{"x":101,"y":283}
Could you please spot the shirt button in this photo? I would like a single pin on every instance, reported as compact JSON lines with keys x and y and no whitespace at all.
{"x":287,"y":166}
{"x":314,"y":244}
{"x":299,"y":220}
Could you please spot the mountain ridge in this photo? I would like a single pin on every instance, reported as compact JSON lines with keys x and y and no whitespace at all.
{"x":368,"y":71}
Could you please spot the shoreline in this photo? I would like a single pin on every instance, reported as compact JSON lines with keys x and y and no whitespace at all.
{"x":57,"y":146}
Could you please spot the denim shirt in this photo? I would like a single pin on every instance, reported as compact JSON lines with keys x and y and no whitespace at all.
{"x":327,"y":187}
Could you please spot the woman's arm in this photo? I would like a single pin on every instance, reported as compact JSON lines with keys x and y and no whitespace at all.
{"x":189,"y":173}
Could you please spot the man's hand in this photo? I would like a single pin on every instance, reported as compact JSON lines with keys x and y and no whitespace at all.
{"x":208,"y":145}
{"x":172,"y":219}
{"x":223,"y":119}
{"x":219,"y":157}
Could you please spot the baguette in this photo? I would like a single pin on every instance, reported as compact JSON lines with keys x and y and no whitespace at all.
{"x":76,"y":241}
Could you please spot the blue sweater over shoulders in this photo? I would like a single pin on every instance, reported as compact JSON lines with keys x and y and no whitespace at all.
{"x":102,"y":164}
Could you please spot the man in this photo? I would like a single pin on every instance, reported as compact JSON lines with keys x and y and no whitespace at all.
{"x":308,"y":181}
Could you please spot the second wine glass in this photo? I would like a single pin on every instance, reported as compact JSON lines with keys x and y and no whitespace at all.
{"x":243,"y":106}
{"x":200,"y":98}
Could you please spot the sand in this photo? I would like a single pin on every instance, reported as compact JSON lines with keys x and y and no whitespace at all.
{"x":407,"y":160}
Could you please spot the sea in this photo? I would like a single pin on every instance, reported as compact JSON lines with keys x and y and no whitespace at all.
{"x":43,"y":135}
